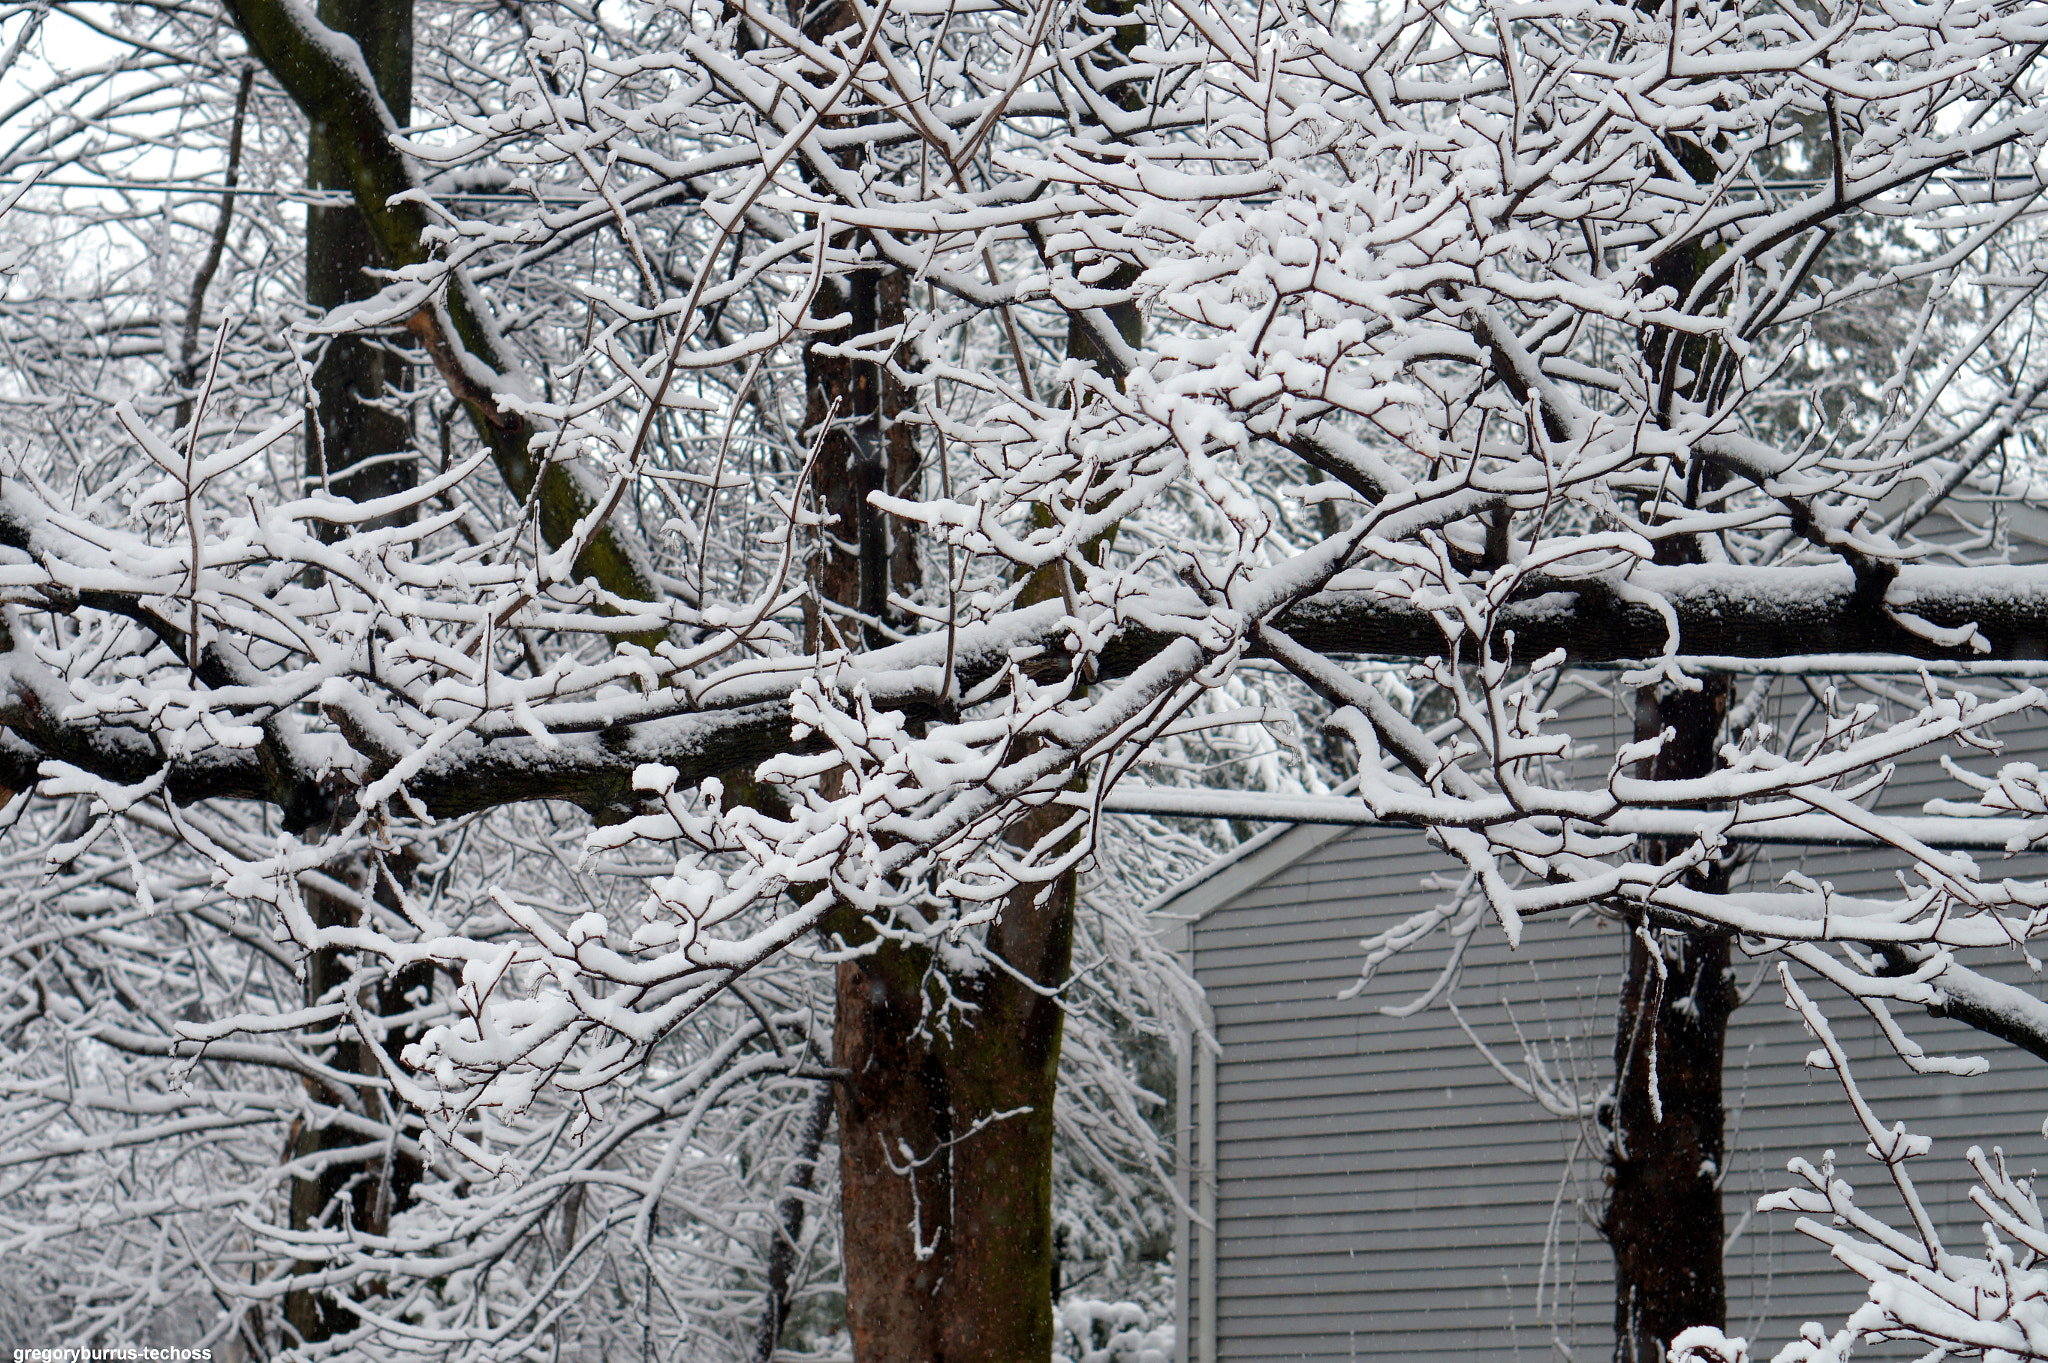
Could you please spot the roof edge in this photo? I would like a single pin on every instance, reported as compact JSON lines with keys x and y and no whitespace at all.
{"x":1248,"y":864}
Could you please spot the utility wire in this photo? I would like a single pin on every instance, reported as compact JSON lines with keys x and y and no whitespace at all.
{"x":316,"y":198}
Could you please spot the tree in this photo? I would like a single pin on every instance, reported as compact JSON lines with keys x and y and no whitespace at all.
{"x":828,"y":541}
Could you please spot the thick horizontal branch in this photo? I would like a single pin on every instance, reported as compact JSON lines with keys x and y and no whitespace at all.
{"x":125,"y":756}
{"x":595,"y":771}
{"x":1945,"y":832}
{"x":2003,"y":1010}
{"x":725,"y":724}
{"x":1723,"y":610}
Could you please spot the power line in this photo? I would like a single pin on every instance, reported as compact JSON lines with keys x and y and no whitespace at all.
{"x":312,"y":197}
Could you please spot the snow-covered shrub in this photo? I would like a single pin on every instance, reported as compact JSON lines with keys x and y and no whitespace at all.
{"x":1110,"y":1332}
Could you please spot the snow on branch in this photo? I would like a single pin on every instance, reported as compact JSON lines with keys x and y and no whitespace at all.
{"x":886,"y":438}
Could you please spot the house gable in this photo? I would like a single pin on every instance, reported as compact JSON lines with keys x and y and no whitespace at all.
{"x":1377,"y":1189}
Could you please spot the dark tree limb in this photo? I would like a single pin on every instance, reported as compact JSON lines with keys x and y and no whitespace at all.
{"x":1735,"y":613}
{"x":326,"y":77}
{"x":789,"y":1223}
{"x":2001,"y":1010}
{"x":195,"y":310}
{"x":1666,"y":1127}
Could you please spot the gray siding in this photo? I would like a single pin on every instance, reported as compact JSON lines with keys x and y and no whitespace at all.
{"x":1382,"y":1192}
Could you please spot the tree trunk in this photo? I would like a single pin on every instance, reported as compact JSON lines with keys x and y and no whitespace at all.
{"x":946,"y":1117}
{"x":895,"y":1110}
{"x":1666,"y":1153}
{"x":945,"y":1140}
{"x":457,"y":329}
{"x":357,"y":445}
{"x":945,"y":1122}
{"x":1664,"y":1160}
{"x":1004,"y":1080}
{"x":895,"y":1159}
{"x":377,"y":1179}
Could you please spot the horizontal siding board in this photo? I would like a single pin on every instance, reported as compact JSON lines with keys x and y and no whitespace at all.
{"x":1444,"y":1335}
{"x":1279,"y":979}
{"x":1446,"y":1251}
{"x":1383,"y":1193}
{"x":1384,"y":1206}
{"x":1448,"y":1261}
{"x":1448,"y":1128}
{"x":1318,"y":1201}
{"x":1275,"y":1070}
{"x":1478,"y":1328}
{"x":1435,"y":1147}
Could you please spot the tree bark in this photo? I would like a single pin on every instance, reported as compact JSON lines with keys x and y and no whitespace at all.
{"x":895,"y":1110}
{"x":895,"y":1159}
{"x":946,"y":1132}
{"x":945,"y":1120}
{"x":376,"y":1181}
{"x":359,"y":445}
{"x":1666,"y":1152}
{"x":1666,"y":1148}
{"x":1004,"y":1078}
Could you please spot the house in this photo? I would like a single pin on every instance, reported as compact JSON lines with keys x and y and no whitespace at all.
{"x":1370,"y":1186}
